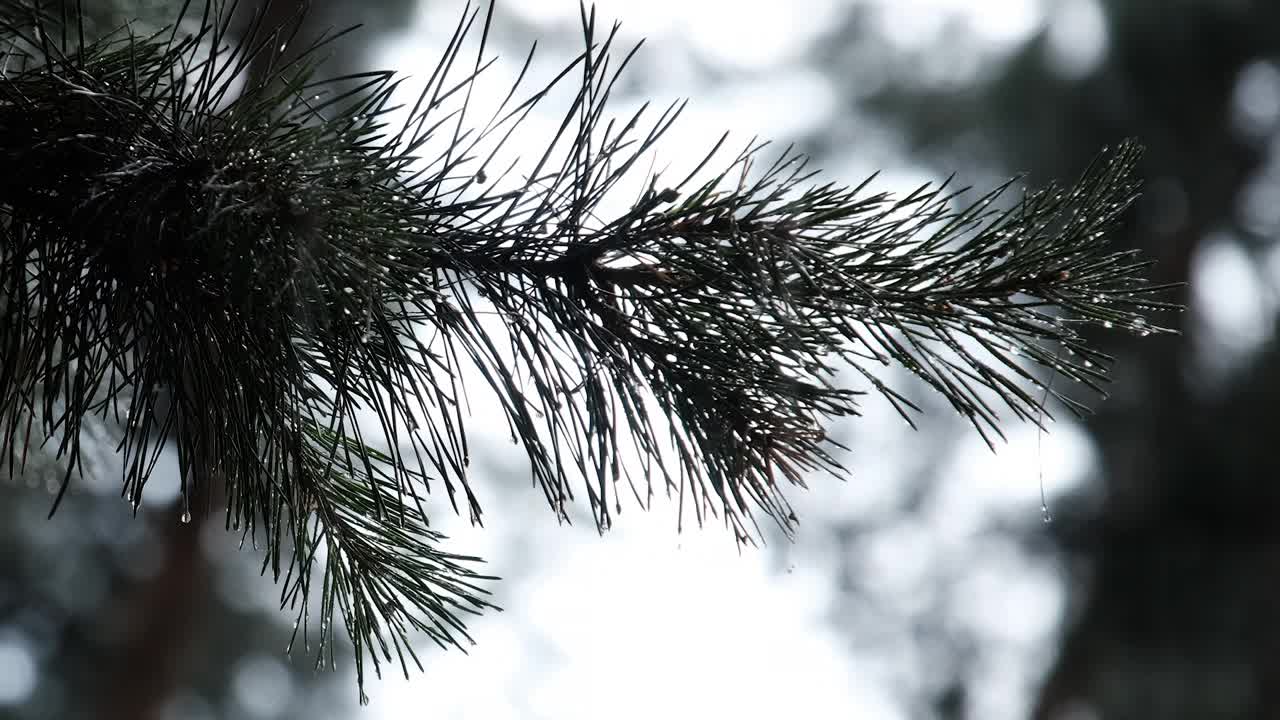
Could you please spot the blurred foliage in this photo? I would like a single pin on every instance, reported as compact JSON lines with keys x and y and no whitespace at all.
{"x":118,"y":616}
{"x":1168,"y":554}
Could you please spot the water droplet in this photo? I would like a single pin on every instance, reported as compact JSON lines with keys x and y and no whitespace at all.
{"x":348,"y":289}
{"x":1140,"y":327}
{"x":481,"y":177}
{"x":1108,"y":324}
{"x":1045,"y":515}
{"x":186,"y":516}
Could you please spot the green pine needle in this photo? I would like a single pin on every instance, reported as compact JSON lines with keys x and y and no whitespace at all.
{"x":243,"y":271}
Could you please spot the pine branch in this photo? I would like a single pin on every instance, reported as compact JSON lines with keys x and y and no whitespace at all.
{"x":242,"y":274}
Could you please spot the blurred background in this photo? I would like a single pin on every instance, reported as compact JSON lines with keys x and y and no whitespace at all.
{"x":932,"y":585}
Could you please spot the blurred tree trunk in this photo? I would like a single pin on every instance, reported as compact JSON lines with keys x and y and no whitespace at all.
{"x":160,"y":616}
{"x":280,"y":14}
{"x":1178,"y":616}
